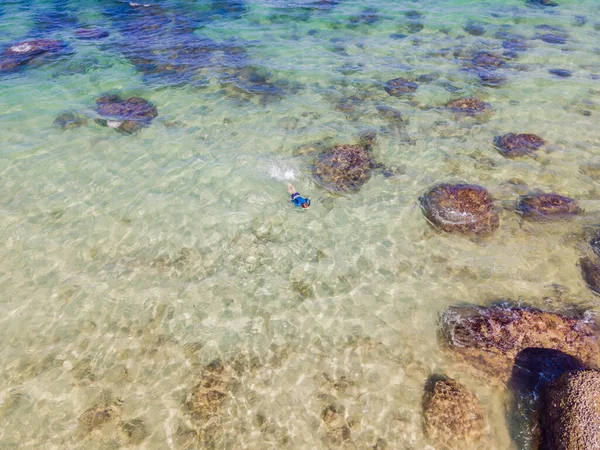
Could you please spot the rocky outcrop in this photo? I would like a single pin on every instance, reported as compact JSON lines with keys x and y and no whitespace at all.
{"x":468,"y":106}
{"x":126,"y":115}
{"x":542,"y":207}
{"x":460,"y":208}
{"x":513,"y":145}
{"x":490,"y":338}
{"x":570,"y":415}
{"x":453,"y":418}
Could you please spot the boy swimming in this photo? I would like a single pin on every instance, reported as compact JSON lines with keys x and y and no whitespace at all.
{"x":297,"y":199}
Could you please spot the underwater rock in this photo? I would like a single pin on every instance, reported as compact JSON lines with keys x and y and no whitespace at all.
{"x":474,"y":29}
{"x":99,"y":415}
{"x":570,"y":415}
{"x":491,"y":78}
{"x":595,"y":243}
{"x":91,"y":33}
{"x":561,"y":73}
{"x":400,"y":86}
{"x":345,"y":168}
{"x":542,"y":2}
{"x":127,"y":115}
{"x":553,"y":38}
{"x":453,"y":417}
{"x":135,"y":430}
{"x":488,"y":60}
{"x":209,"y":393}
{"x":513,"y":42}
{"x":590,"y":271}
{"x":70,"y":120}
{"x":337,"y":426}
{"x":390,"y":114}
{"x":534,"y":369}
{"x":460,"y":208}
{"x":547,"y":207}
{"x":513,"y":145}
{"x":490,"y":338}
{"x":468,"y":106}
{"x":24,"y":52}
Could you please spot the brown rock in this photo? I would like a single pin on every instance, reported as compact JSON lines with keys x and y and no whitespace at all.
{"x":543,"y":207}
{"x":460,"y":208}
{"x":126,"y":115}
{"x":512,"y":145}
{"x":344,"y":168}
{"x":453,"y":417}
{"x":99,"y":415}
{"x":490,"y":338}
{"x":469,"y":106}
{"x":570,"y":416}
{"x":400,"y":86}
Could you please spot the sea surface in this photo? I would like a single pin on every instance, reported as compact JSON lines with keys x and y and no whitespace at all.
{"x":131,"y":264}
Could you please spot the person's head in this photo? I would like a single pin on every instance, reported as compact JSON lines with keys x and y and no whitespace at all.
{"x":306,"y":204}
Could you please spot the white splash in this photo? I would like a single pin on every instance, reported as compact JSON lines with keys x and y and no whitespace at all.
{"x":21,"y":48}
{"x":282,"y":172}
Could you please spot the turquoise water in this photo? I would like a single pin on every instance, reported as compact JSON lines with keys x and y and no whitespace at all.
{"x":132,"y":261}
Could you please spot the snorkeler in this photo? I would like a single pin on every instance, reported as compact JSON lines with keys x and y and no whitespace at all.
{"x":297,"y":199}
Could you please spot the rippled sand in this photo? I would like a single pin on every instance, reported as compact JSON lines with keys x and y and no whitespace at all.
{"x":133,"y":262}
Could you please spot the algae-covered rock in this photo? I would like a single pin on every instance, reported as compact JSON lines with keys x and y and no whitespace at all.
{"x":460,"y":208}
{"x":400,"y":86}
{"x":453,"y":417}
{"x":570,"y":416}
{"x":544,"y":207}
{"x":468,"y":106}
{"x":590,"y":270}
{"x":490,"y":338}
{"x":513,"y":145}
{"x":127,"y":115}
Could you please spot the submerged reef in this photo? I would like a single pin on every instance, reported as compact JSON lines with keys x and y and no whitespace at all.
{"x":453,"y":418}
{"x":490,"y":338}
{"x":26,"y":52}
{"x":126,"y":115}
{"x":514,"y":145}
{"x":543,"y":207}
{"x":460,"y":208}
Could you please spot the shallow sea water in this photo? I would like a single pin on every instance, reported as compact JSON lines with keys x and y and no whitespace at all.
{"x":132,"y":261}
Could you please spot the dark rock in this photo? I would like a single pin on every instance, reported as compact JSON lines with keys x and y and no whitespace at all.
{"x":542,"y":2}
{"x":543,"y":207}
{"x":490,"y":338}
{"x":513,"y":145}
{"x":488,"y":60}
{"x":474,"y":29}
{"x":414,"y":27}
{"x":398,"y":36}
{"x":561,"y":73}
{"x":515,"y":43}
{"x":390,"y":114}
{"x":453,"y":417}
{"x":344,"y":168}
{"x":25,"y":52}
{"x":469,"y":106}
{"x":460,"y":208}
{"x":70,"y":120}
{"x":127,"y":115}
{"x":570,"y":415}
{"x":400,"y":86}
{"x":428,"y":77}
{"x":534,"y":369}
{"x":91,"y":33}
{"x":590,"y":270}
{"x":553,"y":38}
{"x":491,"y":78}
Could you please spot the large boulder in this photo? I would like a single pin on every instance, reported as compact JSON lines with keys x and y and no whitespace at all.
{"x":460,"y":208}
{"x":453,"y":417}
{"x":126,"y":115}
{"x":570,"y":415}
{"x":513,"y":145}
{"x":490,"y":338}
{"x":345,"y":168}
{"x":545,"y":207}
{"x":468,"y":106}
{"x":24,"y":52}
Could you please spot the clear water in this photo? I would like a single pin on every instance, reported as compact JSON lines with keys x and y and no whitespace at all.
{"x":132,"y":261}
